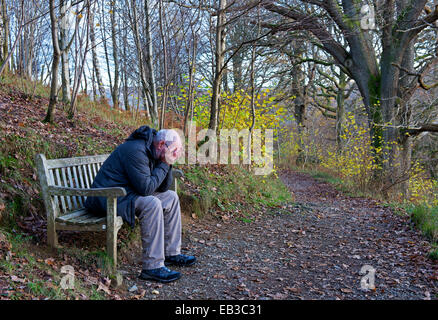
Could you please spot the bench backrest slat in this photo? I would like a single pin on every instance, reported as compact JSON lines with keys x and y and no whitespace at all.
{"x":77,"y":184}
{"x":58,"y":182}
{"x":69,"y":162}
{"x":51,"y":180}
{"x":90,"y":173}
{"x":64,"y":184}
{"x":84,"y":174}
{"x":74,"y":173}
{"x":72,"y":184}
{"x":93,"y":169}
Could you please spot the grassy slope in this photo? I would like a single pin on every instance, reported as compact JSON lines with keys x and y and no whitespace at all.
{"x":28,"y":268}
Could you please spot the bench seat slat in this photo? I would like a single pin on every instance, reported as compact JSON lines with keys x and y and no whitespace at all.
{"x":71,"y":215}
{"x":80,"y":217}
{"x":93,"y":220}
{"x":88,"y":219}
{"x":98,"y":225}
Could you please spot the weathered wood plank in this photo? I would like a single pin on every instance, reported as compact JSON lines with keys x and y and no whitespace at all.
{"x":84,"y":172}
{"x":82,"y":181}
{"x":49,"y":202}
{"x":71,"y":215}
{"x":95,"y":192}
{"x":97,"y":226}
{"x":111,"y":232}
{"x":59,"y":183}
{"x":77,"y":185}
{"x":84,"y":218}
{"x":93,"y":168}
{"x":74,"y":201}
{"x":52,"y":182}
{"x":81,"y":227}
{"x":90,"y":173}
{"x":64,"y":183}
{"x":69,"y":162}
{"x":93,"y":220}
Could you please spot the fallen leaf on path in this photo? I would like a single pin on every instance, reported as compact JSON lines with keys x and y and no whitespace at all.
{"x":294,"y":290}
{"x":103,"y":288}
{"x":257,"y":280}
{"x":345,"y":290}
{"x":278,"y":296}
{"x":17,"y":279}
{"x":141,"y":295}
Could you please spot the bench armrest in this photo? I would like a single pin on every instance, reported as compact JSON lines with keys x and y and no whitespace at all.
{"x":177,"y":173}
{"x":93,"y":192}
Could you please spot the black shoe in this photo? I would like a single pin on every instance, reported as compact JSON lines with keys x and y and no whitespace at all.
{"x":181,"y":260}
{"x":162,"y":274}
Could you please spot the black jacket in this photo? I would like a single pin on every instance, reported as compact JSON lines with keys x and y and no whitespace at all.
{"x":133,"y":167}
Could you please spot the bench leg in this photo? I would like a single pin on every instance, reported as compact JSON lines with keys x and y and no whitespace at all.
{"x":52,"y":236}
{"x":111,"y":244}
{"x":111,"y":232}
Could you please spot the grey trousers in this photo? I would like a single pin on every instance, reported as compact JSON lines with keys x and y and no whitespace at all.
{"x":160,"y":225}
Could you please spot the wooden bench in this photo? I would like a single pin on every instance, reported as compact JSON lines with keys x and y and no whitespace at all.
{"x":65,"y":184}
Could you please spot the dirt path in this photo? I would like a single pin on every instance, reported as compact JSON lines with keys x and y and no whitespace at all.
{"x":313,"y":250}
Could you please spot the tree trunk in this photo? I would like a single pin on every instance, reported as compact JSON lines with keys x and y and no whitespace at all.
{"x":165,"y":80}
{"x":219,"y":65}
{"x":115,"y":91}
{"x":4,"y":64}
{"x":340,"y":110}
{"x":253,"y":113}
{"x":153,"y":106}
{"x":144,"y":78}
{"x":105,"y":48}
{"x":4,"y":35}
{"x":96,"y":68}
{"x":79,"y":70}
{"x":55,"y":64}
{"x":125,"y":87}
{"x":189,"y":102}
{"x":63,"y":46}
{"x":237,"y":60}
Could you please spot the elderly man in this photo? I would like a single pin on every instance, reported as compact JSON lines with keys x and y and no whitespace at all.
{"x":143,"y":166}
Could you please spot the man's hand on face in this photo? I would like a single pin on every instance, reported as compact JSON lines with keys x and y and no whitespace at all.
{"x":171,"y":153}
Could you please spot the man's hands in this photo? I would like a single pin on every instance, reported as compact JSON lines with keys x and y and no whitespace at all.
{"x":171,"y":153}
{"x":168,"y":151}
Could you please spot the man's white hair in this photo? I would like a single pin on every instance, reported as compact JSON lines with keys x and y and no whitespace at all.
{"x":167,"y":135}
